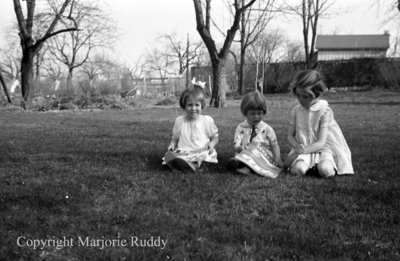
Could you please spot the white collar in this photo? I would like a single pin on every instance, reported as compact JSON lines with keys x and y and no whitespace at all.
{"x":248,"y":125}
{"x":321,"y":104}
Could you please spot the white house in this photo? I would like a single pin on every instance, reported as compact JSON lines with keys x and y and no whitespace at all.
{"x":343,"y":47}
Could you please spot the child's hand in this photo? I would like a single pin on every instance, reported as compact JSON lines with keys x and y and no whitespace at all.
{"x":238,"y":149}
{"x":211,"y":147}
{"x":289,"y":160}
{"x":171,"y":147}
{"x":279,"y":161}
{"x":300,"y":149}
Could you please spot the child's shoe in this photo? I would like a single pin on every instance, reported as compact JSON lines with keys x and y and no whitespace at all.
{"x":237,"y":166}
{"x":184,"y":165}
{"x":176,"y":163}
{"x":204,"y":167}
{"x":232,"y":164}
{"x":169,"y":156}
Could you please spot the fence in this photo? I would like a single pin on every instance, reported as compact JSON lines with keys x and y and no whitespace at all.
{"x":159,"y":87}
{"x":372,"y":72}
{"x":148,"y":87}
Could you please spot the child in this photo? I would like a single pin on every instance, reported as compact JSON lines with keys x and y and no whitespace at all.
{"x":255,"y":142}
{"x":316,"y":139}
{"x":194,"y":136}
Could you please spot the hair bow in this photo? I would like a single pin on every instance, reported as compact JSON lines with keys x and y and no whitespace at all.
{"x":198,"y":83}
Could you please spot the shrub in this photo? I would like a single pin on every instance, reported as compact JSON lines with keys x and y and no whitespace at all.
{"x":108,"y":87}
{"x":44,"y":104}
{"x":233,"y":95}
{"x":67,"y":106}
{"x":166,"y":101}
{"x":83,"y":102}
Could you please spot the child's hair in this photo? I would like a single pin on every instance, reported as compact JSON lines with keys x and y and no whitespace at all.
{"x":253,"y":101}
{"x":309,"y":80}
{"x":194,"y":92}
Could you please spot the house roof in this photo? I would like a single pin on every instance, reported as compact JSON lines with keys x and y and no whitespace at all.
{"x":372,"y":41}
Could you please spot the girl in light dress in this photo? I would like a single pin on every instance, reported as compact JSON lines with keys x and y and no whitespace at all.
{"x":194,"y":136}
{"x":317,"y":141}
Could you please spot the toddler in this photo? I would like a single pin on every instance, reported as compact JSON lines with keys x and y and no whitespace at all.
{"x":194,"y":136}
{"x":255,"y":142}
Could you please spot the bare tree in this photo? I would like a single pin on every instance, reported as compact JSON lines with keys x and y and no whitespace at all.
{"x":202,"y":57}
{"x":218,"y":58}
{"x":109,"y":67}
{"x":310,"y":11}
{"x":30,"y":45}
{"x":10,"y":64}
{"x":134,"y":72}
{"x":395,"y":4}
{"x":52,"y":70}
{"x":253,"y":22}
{"x":180,"y":51}
{"x":294,"y":52}
{"x":391,"y":9}
{"x":105,"y":73}
{"x":101,"y":66}
{"x":3,"y":83}
{"x":41,"y":21}
{"x":161,"y":64}
{"x":263,"y":50}
{"x":131,"y":76}
{"x":74,"y":48}
{"x":137,"y":68}
{"x":92,"y":68}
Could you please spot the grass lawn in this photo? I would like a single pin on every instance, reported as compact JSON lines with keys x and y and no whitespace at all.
{"x":78,"y":179}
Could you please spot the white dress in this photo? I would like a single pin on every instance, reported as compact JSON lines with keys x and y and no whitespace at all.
{"x":307,"y":124}
{"x":193,"y":137}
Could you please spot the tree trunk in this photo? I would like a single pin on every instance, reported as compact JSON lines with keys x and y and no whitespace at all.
{"x":263,"y":74}
{"x":5,"y":88}
{"x":218,"y":59}
{"x":218,"y":96}
{"x":237,"y":73}
{"x":242,"y":53}
{"x":27,"y":86}
{"x":37,"y":68}
{"x":242,"y":88}
{"x":69,"y":82}
{"x":257,"y":74}
{"x":306,"y":49}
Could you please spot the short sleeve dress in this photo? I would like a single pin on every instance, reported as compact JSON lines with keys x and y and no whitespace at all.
{"x":307,"y":124}
{"x":193,"y":137}
{"x":263,"y":134}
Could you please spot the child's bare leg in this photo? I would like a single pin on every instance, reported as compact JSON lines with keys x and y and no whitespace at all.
{"x":299,"y":168}
{"x":326,"y":169}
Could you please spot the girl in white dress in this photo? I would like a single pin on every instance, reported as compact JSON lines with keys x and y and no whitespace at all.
{"x":194,"y":136}
{"x":316,"y":139}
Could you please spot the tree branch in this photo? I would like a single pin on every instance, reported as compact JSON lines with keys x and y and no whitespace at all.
{"x":44,"y":38}
{"x":20,"y":19}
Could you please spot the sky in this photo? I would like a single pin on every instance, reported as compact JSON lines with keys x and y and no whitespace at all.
{"x":140,"y":22}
